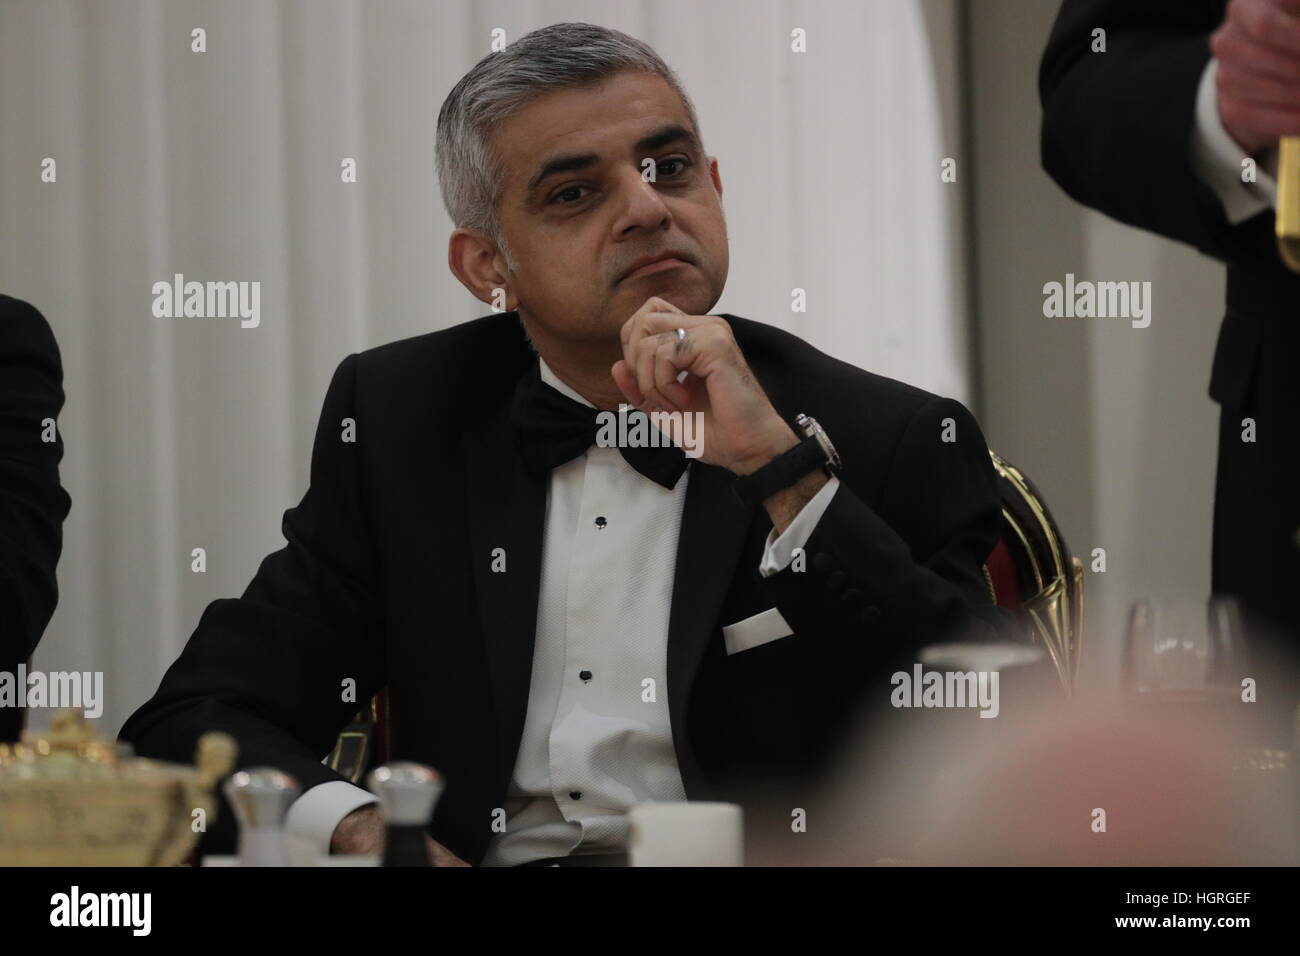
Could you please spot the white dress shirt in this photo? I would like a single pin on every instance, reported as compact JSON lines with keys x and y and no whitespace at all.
{"x":1217,"y":158}
{"x":597,"y":739}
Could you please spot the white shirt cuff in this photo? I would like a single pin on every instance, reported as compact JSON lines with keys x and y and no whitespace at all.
{"x":315,"y":814}
{"x":1217,"y":157}
{"x":779,"y":551}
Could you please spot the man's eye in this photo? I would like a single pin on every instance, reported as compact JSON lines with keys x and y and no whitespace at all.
{"x":668,"y":162}
{"x":566,"y":192}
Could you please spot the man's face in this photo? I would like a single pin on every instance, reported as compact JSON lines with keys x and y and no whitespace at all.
{"x":578,"y":215}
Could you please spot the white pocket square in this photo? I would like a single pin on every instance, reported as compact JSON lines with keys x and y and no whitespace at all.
{"x":763,"y":627}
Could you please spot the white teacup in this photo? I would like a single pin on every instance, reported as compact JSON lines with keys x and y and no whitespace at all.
{"x":686,"y":834}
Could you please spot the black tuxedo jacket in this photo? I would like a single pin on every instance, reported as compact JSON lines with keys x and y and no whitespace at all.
{"x":386,"y":580}
{"x":1116,"y":135}
{"x":32,"y":502}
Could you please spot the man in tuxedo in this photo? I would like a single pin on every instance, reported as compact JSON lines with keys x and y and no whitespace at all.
{"x":1174,"y":128}
{"x":32,"y":502}
{"x":567,"y":629}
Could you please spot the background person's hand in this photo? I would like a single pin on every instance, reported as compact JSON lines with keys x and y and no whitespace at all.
{"x":362,"y":832}
{"x":1258,"y":83}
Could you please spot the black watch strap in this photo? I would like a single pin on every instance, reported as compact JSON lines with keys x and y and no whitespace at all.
{"x":781,"y":472}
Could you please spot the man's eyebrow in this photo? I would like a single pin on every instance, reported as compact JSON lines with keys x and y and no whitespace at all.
{"x":561,"y":164}
{"x":659,"y":138}
{"x":663,"y":136}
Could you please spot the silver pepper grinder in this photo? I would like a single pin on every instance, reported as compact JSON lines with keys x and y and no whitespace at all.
{"x":261,"y":797}
{"x":407,"y":794}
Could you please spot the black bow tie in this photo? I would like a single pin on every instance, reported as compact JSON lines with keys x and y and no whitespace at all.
{"x":551,"y":428}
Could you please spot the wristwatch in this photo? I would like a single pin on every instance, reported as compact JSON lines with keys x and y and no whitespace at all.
{"x":815,"y":451}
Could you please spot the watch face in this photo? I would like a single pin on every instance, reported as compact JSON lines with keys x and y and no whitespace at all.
{"x":832,"y":456}
{"x":813,"y":429}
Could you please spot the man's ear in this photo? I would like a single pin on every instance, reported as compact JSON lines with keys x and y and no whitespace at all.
{"x":480,"y":267}
{"x":715,"y":175}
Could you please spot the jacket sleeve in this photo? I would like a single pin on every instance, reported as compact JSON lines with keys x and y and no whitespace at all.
{"x":883,"y":582}
{"x":270,"y":667}
{"x":1118,"y":126}
{"x":33,"y":504}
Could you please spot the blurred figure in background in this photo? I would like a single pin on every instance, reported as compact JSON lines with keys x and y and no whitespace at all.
{"x":1046,"y":783}
{"x":32,"y":502}
{"x":1166,"y":115}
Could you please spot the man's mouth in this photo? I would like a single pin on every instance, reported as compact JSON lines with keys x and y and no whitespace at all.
{"x":652,"y":264}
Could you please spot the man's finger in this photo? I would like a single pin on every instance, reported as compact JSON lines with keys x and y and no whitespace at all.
{"x":1234,"y":49}
{"x":625,"y":379}
{"x":1268,"y":24}
{"x":1258,"y":88}
{"x":675,"y":387}
{"x":652,"y":304}
{"x":669,"y":362}
{"x":647,"y":374}
{"x":650,"y":322}
{"x":637,"y":329}
{"x":1272,"y":123}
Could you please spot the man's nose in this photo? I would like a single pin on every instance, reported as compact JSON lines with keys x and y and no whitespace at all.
{"x":643,"y":204}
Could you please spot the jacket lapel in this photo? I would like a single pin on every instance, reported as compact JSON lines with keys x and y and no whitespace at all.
{"x":712,"y":537}
{"x":507,"y":510}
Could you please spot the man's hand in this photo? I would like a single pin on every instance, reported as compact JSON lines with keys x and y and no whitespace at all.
{"x":362,"y":831}
{"x":1258,"y":83}
{"x":742,"y":431}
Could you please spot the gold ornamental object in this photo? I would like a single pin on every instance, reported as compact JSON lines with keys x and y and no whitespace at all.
{"x":1055,"y":609}
{"x":1288,"y":202}
{"x":71,"y":798}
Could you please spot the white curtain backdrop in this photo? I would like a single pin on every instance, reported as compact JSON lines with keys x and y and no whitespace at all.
{"x":225,"y":165}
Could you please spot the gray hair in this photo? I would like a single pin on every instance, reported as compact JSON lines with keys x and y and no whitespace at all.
{"x":562,"y":55}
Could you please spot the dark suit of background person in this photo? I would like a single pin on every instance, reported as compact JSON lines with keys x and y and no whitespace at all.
{"x":32,"y":502}
{"x":1121,"y":133}
{"x":387,"y":578}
